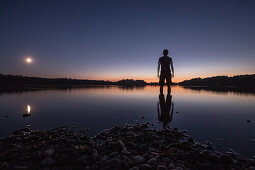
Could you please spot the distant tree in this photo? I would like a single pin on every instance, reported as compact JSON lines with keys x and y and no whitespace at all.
{"x":237,"y":81}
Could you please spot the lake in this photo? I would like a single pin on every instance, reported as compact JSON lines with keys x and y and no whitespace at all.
{"x":226,"y":119}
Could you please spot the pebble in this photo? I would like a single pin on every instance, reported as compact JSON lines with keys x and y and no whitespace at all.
{"x":83,"y":158}
{"x":123,"y":147}
{"x":138,"y":159}
{"x":115,"y":164}
{"x":48,"y":162}
{"x":171,"y":166}
{"x":113,"y":154}
{"x":161,"y":167}
{"x":179,"y":168}
{"x":49,"y":152}
{"x":143,"y":146}
{"x":94,"y":154}
{"x":20,"y":167}
{"x":165,"y":160}
{"x":104,"y":162}
{"x":153,"y":161}
{"x":145,"y":167}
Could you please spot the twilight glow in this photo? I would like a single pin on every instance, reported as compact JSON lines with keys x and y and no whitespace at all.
{"x":112,"y":40}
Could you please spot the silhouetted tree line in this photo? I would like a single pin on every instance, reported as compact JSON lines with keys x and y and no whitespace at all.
{"x":221,"y":81}
{"x":131,"y":82}
{"x":24,"y":81}
{"x":18,"y":80}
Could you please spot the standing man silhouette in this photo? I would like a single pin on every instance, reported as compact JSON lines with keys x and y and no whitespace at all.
{"x":164,"y":63}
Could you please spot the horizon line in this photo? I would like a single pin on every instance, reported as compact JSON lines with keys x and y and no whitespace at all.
{"x":121,"y":78}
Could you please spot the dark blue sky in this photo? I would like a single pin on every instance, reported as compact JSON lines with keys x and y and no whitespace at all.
{"x":112,"y":40}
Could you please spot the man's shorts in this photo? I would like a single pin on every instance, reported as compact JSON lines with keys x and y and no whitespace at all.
{"x":166,"y":76}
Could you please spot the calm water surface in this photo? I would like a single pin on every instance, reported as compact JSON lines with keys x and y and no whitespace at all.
{"x":220,"y":118}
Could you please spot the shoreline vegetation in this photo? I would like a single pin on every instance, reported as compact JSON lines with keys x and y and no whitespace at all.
{"x":222,"y":81}
{"x":244,"y":84}
{"x":217,"y":81}
{"x":25,"y":81}
{"x":132,"y":147}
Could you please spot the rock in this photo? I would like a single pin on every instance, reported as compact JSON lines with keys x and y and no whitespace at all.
{"x":49,"y":152}
{"x":115,"y":164}
{"x":179,"y":168}
{"x":48,"y":162}
{"x":147,"y":149}
{"x":109,"y":139}
{"x":83,"y":158}
{"x":171,"y":166}
{"x":165,"y":160}
{"x":115,"y":146}
{"x":145,"y":167}
{"x":147,"y":156}
{"x":94,"y":154}
{"x":161,"y":167}
{"x":127,"y":153}
{"x":152,"y":161}
{"x":125,"y":162}
{"x":104,"y":162}
{"x":138,"y":159}
{"x":20,"y":167}
{"x":123,"y":147}
{"x":143,"y":146}
{"x":113,"y":154}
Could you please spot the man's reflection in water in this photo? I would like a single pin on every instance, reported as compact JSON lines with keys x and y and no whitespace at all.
{"x":165,"y":107}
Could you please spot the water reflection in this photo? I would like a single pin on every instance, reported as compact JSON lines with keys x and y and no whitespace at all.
{"x":223,"y":90}
{"x":131,"y":87}
{"x":206,"y":115}
{"x":21,"y":90}
{"x":28,"y":111}
{"x":165,"y":108}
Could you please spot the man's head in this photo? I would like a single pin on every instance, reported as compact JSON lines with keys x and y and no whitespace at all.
{"x":165,"y":52}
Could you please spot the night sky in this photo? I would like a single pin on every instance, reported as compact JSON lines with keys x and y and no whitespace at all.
{"x":112,"y":40}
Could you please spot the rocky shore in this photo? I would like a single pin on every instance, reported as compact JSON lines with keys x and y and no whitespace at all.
{"x":138,"y":147}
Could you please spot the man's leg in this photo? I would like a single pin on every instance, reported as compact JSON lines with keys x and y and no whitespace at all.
{"x":161,"y":82}
{"x":169,"y":82}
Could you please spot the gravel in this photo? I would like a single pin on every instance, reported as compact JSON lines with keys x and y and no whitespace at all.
{"x":130,"y":147}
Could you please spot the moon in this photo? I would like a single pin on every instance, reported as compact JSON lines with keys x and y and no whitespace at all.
{"x":29,"y":60}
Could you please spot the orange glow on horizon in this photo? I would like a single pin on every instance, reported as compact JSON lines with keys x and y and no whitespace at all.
{"x":147,"y":78}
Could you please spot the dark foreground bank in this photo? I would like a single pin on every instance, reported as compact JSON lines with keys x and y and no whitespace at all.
{"x":122,"y":147}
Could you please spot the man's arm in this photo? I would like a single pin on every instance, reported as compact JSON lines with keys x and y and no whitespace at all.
{"x":172,"y":68}
{"x":158,"y":68}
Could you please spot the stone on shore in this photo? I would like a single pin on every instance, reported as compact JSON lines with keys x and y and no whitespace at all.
{"x":121,"y":147}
